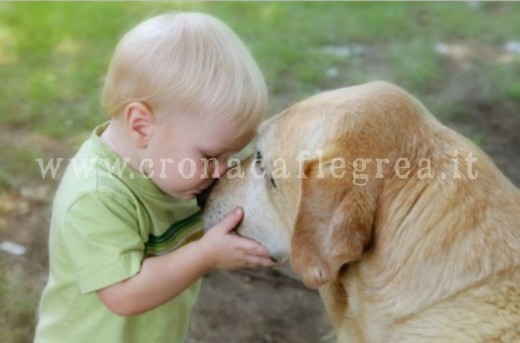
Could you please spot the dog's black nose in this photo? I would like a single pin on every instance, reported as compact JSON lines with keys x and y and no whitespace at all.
{"x":203,"y":197}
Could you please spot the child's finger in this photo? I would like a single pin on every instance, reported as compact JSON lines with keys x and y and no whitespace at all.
{"x":256,"y":261}
{"x":230,"y":221}
{"x":251,"y":247}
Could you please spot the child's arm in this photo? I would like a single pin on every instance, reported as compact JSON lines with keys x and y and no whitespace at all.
{"x":164,"y":277}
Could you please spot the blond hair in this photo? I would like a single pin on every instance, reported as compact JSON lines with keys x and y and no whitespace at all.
{"x":191,"y":61}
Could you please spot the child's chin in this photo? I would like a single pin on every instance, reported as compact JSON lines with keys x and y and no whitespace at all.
{"x":188,"y":196}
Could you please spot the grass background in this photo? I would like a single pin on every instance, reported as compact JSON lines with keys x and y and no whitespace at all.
{"x":53,"y":57}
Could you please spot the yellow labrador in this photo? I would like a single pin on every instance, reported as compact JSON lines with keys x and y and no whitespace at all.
{"x":408,"y":230}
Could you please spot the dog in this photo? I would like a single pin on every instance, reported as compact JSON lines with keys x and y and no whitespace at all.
{"x":407,"y":229}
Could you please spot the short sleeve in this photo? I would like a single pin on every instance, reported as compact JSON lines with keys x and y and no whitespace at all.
{"x":101,"y":234}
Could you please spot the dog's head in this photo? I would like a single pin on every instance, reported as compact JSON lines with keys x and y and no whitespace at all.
{"x":310,"y":191}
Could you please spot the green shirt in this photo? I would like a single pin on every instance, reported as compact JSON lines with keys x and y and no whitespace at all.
{"x":106,"y":219}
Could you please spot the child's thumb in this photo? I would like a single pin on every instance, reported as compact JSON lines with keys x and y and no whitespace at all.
{"x":231,"y":220}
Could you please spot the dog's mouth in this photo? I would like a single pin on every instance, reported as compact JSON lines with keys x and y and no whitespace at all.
{"x":275,"y":256}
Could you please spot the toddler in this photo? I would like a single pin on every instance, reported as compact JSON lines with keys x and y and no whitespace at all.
{"x":126,"y":249}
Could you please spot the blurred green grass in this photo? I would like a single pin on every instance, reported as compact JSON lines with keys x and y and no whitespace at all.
{"x":53,"y":57}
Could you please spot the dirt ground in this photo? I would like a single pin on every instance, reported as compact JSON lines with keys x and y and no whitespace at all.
{"x":246,"y":306}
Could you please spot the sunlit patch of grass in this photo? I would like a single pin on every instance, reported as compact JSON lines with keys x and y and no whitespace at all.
{"x":60,"y":63}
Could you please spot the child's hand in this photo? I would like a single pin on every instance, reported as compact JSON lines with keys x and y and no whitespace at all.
{"x":224,"y":249}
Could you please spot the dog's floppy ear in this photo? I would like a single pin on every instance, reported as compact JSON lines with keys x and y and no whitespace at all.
{"x":333,"y":224}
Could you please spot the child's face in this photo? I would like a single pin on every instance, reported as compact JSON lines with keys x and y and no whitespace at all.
{"x":187,"y":153}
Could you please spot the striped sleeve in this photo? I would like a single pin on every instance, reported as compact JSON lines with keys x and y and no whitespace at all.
{"x":179,"y":233}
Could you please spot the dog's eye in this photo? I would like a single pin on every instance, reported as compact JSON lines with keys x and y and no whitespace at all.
{"x":260,"y":167}
{"x":258,"y":157}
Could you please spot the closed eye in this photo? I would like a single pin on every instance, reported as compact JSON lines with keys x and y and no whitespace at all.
{"x":258,"y":162}
{"x":258,"y":157}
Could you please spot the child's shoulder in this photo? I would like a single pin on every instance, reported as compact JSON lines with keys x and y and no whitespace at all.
{"x":94,"y":171}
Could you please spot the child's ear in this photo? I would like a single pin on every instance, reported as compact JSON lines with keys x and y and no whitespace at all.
{"x":139,"y":119}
